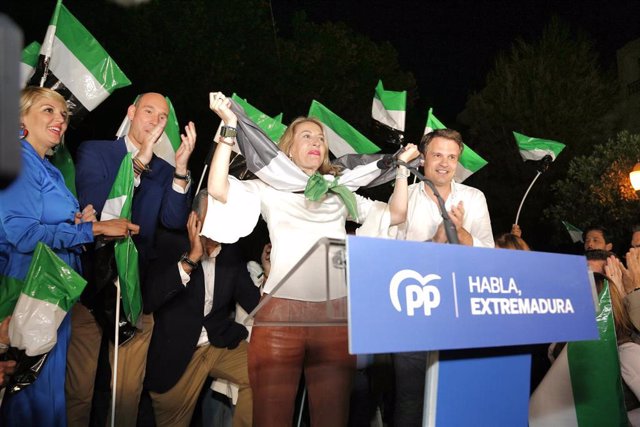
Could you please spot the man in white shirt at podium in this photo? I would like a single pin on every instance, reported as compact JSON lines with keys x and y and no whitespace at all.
{"x":468,"y":210}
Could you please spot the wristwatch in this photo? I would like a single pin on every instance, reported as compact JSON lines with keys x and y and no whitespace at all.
{"x":228,"y":132}
{"x":186,"y":177}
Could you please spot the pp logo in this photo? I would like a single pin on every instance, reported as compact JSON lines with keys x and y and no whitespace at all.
{"x":416,"y":295}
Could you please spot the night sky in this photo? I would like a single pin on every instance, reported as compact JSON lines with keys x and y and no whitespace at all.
{"x":450,"y":46}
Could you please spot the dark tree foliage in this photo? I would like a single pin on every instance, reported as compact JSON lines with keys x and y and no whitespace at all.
{"x":597,"y":189}
{"x":552,"y":88}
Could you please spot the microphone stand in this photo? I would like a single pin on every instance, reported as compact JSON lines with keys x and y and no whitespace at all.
{"x":449,"y":227}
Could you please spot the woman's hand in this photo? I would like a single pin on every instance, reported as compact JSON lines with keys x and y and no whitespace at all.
{"x":88,"y":214}
{"x":265,"y":259}
{"x":409,"y":153}
{"x":118,"y":228}
{"x":221,"y":105}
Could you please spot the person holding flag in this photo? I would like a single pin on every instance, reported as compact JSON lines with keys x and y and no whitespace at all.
{"x":161,"y":198}
{"x":38,"y":207}
{"x":296,"y":221}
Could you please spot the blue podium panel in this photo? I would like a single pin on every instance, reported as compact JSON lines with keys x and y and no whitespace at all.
{"x":483,"y":391}
{"x":413,"y":296}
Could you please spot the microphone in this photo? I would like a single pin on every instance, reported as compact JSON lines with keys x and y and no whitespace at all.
{"x":386,"y":162}
{"x":389,"y":160}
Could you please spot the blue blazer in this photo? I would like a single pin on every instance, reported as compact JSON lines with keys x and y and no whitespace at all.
{"x":154,"y":201}
{"x":178,"y":310}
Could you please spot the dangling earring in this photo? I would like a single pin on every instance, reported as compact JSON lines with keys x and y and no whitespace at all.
{"x":23,"y":131}
{"x":290,"y":156}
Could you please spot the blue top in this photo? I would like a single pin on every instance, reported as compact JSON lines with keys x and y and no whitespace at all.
{"x":38,"y":207}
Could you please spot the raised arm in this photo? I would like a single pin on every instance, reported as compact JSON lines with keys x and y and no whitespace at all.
{"x":217,"y":184}
{"x":399,"y":198}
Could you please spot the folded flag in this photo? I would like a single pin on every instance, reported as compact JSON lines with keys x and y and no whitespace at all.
{"x":73,"y":63}
{"x":272,"y":166}
{"x":118,"y":205}
{"x":28,"y":63}
{"x":50,"y":289}
{"x":574,"y":232}
{"x":537,"y":148}
{"x":340,"y":135}
{"x":583,"y":386}
{"x":389,"y":107}
{"x":468,"y":163}
{"x":170,"y":139}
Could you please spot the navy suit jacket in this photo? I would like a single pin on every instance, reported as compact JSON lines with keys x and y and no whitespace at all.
{"x":154,"y":201}
{"x":178,"y":310}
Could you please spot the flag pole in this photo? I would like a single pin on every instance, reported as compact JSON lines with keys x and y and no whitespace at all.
{"x":543,"y":166}
{"x":116,"y":342}
{"x":525,"y":196}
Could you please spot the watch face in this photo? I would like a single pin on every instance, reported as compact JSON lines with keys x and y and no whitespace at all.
{"x":226,"y":132}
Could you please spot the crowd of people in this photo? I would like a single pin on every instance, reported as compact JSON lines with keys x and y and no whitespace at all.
{"x":197,"y":284}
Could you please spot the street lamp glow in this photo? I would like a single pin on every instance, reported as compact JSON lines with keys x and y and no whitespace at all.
{"x":634,"y":176}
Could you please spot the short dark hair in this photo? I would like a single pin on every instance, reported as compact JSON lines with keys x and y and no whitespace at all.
{"x":605,"y":233}
{"x":451,"y":134}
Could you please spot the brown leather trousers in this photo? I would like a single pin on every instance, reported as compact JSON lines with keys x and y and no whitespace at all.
{"x":277,"y":355}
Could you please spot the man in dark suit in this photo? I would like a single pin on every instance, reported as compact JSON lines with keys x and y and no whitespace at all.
{"x":161,"y":196}
{"x":196,"y":285}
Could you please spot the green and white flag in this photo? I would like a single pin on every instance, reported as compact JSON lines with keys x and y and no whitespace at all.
{"x":73,"y":63}
{"x":574,"y":232}
{"x":341,"y":136}
{"x":118,"y":205}
{"x":29,"y":61}
{"x":389,"y":107}
{"x":583,"y":386}
{"x":272,"y":126}
{"x":169,"y":141}
{"x":468,"y":163}
{"x":62,"y":160}
{"x":50,"y":289}
{"x":536,"y":148}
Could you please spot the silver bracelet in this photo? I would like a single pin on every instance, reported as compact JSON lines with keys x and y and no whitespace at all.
{"x":3,"y":348}
{"x":402,"y":172}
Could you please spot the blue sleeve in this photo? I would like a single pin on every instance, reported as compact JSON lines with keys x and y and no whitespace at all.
{"x":93,"y":181}
{"x":21,"y":209}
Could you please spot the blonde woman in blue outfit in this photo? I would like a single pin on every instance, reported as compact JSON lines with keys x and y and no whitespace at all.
{"x":38,"y":207}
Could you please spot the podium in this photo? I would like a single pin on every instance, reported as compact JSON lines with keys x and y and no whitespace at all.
{"x":323,"y":268}
{"x":413,"y":296}
{"x":457,"y":301}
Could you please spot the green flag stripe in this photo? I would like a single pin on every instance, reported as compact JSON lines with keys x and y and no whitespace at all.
{"x":527,"y":143}
{"x":391,"y":100}
{"x":9,"y":292}
{"x":273,"y":127}
{"x":471,"y":160}
{"x":51,"y":280}
{"x":347,"y":132}
{"x":595,"y":374}
{"x":88,"y":51}
{"x":433,"y":123}
{"x":172,"y":129}
{"x":30,"y":54}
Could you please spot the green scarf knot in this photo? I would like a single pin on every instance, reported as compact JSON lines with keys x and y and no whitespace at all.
{"x":318,"y":186}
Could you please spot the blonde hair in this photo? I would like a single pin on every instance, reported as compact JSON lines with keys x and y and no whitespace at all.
{"x":286,"y":142}
{"x":31,"y":94}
